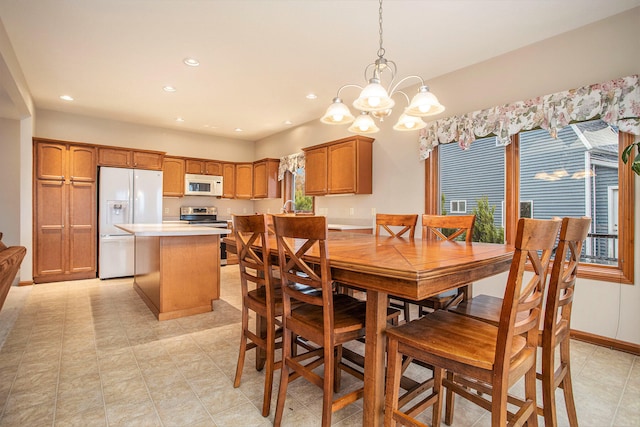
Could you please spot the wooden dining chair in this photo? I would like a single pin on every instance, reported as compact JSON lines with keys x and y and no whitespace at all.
{"x":555,"y":325}
{"x":397,"y":226}
{"x":323,"y":318}
{"x":491,"y":358}
{"x":447,"y":227}
{"x":261,"y":293}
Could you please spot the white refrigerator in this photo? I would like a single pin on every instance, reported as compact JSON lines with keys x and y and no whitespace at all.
{"x":125,"y":196}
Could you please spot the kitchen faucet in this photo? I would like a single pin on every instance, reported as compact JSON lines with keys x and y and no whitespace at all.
{"x":293,"y":206}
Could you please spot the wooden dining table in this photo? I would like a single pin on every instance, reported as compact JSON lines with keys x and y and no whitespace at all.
{"x":413,"y":269}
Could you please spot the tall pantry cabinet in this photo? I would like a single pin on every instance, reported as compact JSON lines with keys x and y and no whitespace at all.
{"x":64,"y":211}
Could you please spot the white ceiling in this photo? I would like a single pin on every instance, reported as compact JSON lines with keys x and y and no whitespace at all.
{"x":259,"y":58}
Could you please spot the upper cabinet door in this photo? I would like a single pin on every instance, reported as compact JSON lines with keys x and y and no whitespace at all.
{"x":194,"y":166}
{"x":114,"y":157}
{"x":213,"y":168}
{"x":173,"y":177}
{"x":265,"y":179}
{"x":82,"y":163}
{"x":228,"y":180}
{"x":244,"y":180}
{"x":147,"y":160}
{"x":51,"y":161}
{"x":315,"y":181}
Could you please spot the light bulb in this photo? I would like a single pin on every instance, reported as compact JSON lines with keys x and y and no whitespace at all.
{"x":337,"y":117}
{"x":409,"y":124}
{"x":373,"y":101}
{"x":424,"y":108}
{"x":364,"y":126}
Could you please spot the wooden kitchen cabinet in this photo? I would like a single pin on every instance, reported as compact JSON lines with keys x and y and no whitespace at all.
{"x":228,"y":180}
{"x":347,"y":167}
{"x":65,"y":209}
{"x":173,"y":177}
{"x":203,"y":167}
{"x":244,"y":180}
{"x":265,"y":179}
{"x":59,"y":161}
{"x":125,"y":158}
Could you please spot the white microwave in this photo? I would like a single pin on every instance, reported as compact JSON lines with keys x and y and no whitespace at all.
{"x":202,"y":185}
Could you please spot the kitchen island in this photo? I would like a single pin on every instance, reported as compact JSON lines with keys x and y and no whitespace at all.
{"x":177,"y":267}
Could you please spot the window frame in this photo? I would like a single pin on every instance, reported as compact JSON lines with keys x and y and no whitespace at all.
{"x":622,"y":273}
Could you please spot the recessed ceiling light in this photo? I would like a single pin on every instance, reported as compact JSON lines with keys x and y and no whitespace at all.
{"x":238,"y":130}
{"x":211,"y":126}
{"x":191,"y":62}
{"x":66,"y":97}
{"x":288,"y":122}
{"x":169,"y":88}
{"x":312,"y":96}
{"x":179,"y":119}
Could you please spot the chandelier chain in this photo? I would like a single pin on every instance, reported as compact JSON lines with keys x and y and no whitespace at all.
{"x":381,"y":49}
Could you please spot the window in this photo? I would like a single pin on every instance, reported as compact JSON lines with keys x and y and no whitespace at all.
{"x":294,"y":190}
{"x":526,"y":209}
{"x":579,"y":173}
{"x":458,"y":206}
{"x":473,"y":183}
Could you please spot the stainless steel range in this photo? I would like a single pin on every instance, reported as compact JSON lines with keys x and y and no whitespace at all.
{"x":207,"y":216}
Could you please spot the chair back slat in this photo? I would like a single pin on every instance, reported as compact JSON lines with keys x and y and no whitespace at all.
{"x":397,"y":225}
{"x":522,"y":300}
{"x":300,"y":238}
{"x":433,"y":226}
{"x":564,"y":273}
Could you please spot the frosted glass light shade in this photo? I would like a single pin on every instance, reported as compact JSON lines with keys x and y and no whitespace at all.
{"x":374,"y":97}
{"x":424,"y":103}
{"x":337,"y":114}
{"x":407,"y":123}
{"x":363,"y":124}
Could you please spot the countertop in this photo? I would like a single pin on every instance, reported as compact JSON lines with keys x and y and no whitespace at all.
{"x":171,"y":229}
{"x":347,"y":227}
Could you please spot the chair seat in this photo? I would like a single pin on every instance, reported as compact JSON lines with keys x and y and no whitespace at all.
{"x":481,"y":307}
{"x":348,"y":315}
{"x":457,"y":338}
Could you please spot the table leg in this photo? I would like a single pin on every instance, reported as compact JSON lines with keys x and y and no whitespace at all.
{"x":374,"y":363}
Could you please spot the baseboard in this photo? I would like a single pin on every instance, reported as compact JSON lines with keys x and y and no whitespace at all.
{"x":25,"y":283}
{"x":606,"y":342}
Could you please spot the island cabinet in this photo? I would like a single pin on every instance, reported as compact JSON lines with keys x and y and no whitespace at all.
{"x":244,"y":180}
{"x":173,"y":177}
{"x":203,"y":167}
{"x":340,"y":167}
{"x":126,"y":158}
{"x":228,"y":180}
{"x":265,"y":179}
{"x":64,"y":239}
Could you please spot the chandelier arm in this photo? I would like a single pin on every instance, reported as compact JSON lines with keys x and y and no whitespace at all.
{"x":346,"y":86}
{"x":403,"y":79}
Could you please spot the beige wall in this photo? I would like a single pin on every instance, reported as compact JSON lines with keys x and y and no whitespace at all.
{"x":9,"y":170}
{"x":602,"y":51}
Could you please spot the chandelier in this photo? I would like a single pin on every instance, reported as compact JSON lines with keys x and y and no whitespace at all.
{"x":375,"y":101}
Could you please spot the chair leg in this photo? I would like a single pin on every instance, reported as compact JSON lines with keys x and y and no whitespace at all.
{"x":327,"y":390}
{"x":284,"y":377}
{"x":566,"y":384}
{"x":394,"y":371}
{"x":530,"y":395}
{"x":438,"y":373}
{"x":548,"y":388}
{"x":407,"y":311}
{"x":268,"y":378}
{"x":450,"y":400}
{"x":337,"y":376}
{"x":243,"y":348}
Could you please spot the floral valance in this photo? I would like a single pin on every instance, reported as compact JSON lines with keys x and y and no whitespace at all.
{"x":290,"y":163}
{"x":617,"y":102}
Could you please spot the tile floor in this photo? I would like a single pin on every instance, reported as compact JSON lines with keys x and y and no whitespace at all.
{"x":90,"y":353}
